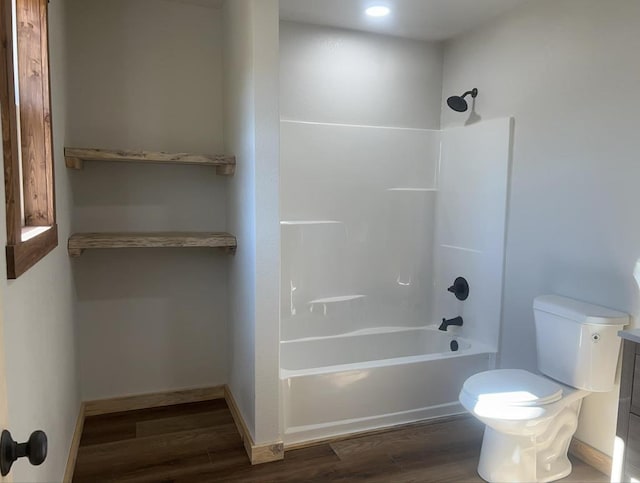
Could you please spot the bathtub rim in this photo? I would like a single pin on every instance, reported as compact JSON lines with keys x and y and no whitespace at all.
{"x":473,"y":348}
{"x":383,"y":329}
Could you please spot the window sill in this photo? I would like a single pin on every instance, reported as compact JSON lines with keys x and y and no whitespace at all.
{"x":29,"y":232}
{"x":23,"y":256}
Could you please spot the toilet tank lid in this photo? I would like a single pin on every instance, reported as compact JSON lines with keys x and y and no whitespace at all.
{"x":581,"y":312}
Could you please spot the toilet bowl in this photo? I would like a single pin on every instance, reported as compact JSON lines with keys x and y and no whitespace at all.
{"x":531,"y":418}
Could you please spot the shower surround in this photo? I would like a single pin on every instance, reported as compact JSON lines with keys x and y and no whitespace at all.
{"x":377,"y":222}
{"x":357,"y":208}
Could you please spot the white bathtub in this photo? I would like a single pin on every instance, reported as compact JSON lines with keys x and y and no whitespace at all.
{"x":371,"y":379}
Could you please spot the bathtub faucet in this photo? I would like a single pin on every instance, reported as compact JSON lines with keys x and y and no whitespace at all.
{"x":457,"y":321}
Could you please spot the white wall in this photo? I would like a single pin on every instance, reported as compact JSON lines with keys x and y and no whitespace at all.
{"x":252,"y":134}
{"x":267,"y":103}
{"x":39,"y":347}
{"x":240,"y":139}
{"x":147,"y":74}
{"x":564,"y":70}
{"x":342,"y":76}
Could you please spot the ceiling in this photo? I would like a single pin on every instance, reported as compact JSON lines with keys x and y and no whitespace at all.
{"x":434,"y":20}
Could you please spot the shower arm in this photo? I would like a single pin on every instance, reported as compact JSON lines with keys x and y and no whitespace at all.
{"x":472,"y":92}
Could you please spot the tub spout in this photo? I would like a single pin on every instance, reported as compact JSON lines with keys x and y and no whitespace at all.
{"x":457,"y":321}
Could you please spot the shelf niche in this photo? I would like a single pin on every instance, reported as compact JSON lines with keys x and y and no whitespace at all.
{"x":80,"y":242}
{"x":75,"y":157}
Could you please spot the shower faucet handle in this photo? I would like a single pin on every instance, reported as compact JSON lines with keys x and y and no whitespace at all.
{"x":460,"y":288}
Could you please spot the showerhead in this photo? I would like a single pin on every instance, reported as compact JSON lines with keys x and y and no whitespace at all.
{"x":458,"y":104}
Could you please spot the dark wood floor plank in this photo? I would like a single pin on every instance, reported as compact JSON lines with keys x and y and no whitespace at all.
{"x":430,"y":434}
{"x":150,"y":414}
{"x":462,"y":470}
{"x":96,"y":432}
{"x":234,"y":466}
{"x":369,"y":469}
{"x":451,"y":463}
{"x":199,"y":443}
{"x":182,"y":423}
{"x":140,"y":452}
{"x":166,"y":470}
{"x":109,"y":428}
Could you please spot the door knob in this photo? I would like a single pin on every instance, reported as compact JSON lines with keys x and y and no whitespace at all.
{"x":35,"y":449}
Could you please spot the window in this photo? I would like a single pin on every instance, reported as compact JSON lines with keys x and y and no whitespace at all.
{"x":26,"y":134}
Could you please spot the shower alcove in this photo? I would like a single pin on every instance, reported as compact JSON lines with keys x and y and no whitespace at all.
{"x":381,"y":210}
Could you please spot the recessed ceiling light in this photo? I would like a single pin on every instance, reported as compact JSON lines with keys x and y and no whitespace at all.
{"x":378,"y":11}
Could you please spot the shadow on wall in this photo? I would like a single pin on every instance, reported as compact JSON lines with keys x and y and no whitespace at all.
{"x":474,"y":117}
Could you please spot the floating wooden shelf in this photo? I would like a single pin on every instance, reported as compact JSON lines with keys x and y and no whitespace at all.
{"x":80,"y":242}
{"x":75,"y":158}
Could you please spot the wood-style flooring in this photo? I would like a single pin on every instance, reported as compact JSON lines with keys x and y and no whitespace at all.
{"x":199,"y":443}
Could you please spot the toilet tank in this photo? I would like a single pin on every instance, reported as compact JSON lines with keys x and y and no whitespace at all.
{"x":577,"y":342}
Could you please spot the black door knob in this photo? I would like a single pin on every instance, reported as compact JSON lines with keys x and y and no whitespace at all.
{"x":35,"y":449}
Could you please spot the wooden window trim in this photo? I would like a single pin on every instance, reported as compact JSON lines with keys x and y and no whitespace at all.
{"x":37,"y":141}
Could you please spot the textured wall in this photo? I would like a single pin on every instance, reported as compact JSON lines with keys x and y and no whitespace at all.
{"x":342,"y":76}
{"x":562,"y":70}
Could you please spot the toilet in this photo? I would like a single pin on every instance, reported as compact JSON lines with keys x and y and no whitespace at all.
{"x":531,"y":418}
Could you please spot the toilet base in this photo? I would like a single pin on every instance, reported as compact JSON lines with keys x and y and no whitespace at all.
{"x":513,"y":459}
{"x":532,"y":458}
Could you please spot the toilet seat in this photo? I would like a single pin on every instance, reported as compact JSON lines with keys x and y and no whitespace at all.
{"x":512,"y":387}
{"x":510,"y":395}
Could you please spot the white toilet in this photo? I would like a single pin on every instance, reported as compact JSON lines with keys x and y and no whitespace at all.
{"x":531,"y":418}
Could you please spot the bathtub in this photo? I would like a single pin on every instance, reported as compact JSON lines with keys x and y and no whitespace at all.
{"x":374,"y":378}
